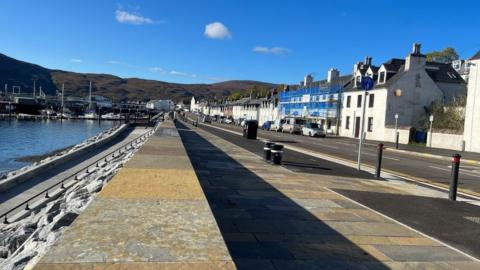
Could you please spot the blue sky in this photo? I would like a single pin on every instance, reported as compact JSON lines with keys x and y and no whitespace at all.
{"x":208,"y":41}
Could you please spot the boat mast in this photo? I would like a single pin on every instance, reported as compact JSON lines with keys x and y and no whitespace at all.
{"x":90,"y":96}
{"x":63,"y":89}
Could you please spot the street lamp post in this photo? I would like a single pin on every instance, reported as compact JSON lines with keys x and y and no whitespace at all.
{"x":396,"y":131}
{"x":431,"y":129}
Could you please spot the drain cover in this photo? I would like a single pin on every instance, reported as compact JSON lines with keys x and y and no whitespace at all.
{"x":473,"y":219}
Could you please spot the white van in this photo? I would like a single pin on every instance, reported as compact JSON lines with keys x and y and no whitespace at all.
{"x":293,"y":125}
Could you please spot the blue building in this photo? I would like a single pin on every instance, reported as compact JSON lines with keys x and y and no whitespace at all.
{"x":318,"y":101}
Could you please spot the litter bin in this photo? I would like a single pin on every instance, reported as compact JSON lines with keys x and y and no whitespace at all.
{"x":250,"y":129}
{"x":267,"y":153}
{"x":277,"y":152}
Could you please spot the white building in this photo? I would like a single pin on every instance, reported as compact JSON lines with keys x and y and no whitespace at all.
{"x":268,"y":110}
{"x":471,"y":134}
{"x":160,"y":105}
{"x":462,"y":67}
{"x":403,"y":87}
{"x":193,"y":105}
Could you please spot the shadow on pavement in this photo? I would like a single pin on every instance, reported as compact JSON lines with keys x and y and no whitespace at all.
{"x":263,"y":228}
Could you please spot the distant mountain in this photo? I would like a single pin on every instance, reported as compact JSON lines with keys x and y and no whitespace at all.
{"x":19,"y":73}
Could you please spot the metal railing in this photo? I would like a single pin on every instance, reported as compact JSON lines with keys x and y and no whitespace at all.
{"x":78,"y":175}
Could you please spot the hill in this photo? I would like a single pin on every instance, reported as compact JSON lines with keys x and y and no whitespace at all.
{"x":20,"y":73}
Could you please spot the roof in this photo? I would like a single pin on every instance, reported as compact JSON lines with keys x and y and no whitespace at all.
{"x":394,"y":64}
{"x":476,"y":56}
{"x":442,"y":72}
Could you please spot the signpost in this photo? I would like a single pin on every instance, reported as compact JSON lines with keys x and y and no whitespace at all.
{"x":367,"y":84}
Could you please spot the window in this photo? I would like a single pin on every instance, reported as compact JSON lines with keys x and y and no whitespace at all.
{"x":371,"y":100}
{"x":382,"y":77}
{"x":347,"y":122}
{"x":359,"y":101}
{"x":349,"y":99}
{"x":370,"y":124}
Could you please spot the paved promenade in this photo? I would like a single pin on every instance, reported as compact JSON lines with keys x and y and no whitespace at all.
{"x":192,"y":200}
{"x":152,"y":215}
{"x":274,"y":218}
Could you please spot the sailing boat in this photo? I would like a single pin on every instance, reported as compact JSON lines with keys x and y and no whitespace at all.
{"x":90,"y":113}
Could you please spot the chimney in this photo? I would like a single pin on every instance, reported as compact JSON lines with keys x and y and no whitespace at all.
{"x":368,"y":61}
{"x":333,"y":75}
{"x":415,"y":59}
{"x":357,"y":66}
{"x":307,"y":81}
{"x":416,"y":48}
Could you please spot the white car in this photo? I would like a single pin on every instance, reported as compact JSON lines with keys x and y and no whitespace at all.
{"x":228,"y":121}
{"x":313,"y":130}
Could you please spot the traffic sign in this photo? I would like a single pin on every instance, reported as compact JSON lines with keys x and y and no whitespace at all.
{"x":367,"y":83}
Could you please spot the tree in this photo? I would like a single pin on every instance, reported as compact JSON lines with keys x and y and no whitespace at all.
{"x":446,"y":116}
{"x":447,"y":55}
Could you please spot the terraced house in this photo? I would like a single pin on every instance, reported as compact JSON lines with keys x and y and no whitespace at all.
{"x":317,"y":101}
{"x":405,"y":87}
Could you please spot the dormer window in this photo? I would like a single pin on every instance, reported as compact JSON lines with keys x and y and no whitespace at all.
{"x":358,"y":81}
{"x":381,"y":77}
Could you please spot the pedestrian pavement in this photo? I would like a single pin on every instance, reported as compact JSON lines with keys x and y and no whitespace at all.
{"x":152,"y":215}
{"x":191,"y":200}
{"x":274,"y":218}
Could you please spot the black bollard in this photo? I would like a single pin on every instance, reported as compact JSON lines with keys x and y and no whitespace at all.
{"x":452,"y":195}
{"x":397,"y":139}
{"x":379,"y":160}
{"x":277,"y":153}
{"x":267,"y":153}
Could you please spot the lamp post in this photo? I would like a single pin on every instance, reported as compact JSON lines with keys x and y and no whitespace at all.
{"x":431,"y":129}
{"x":396,"y":131}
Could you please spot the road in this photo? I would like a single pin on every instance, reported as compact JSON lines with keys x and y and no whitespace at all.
{"x":26,"y":190}
{"x":421,"y":168}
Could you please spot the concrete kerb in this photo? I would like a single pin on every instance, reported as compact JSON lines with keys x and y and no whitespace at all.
{"x":386,"y":174}
{"x":34,"y":171}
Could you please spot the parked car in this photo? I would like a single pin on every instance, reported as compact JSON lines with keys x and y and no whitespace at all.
{"x":206,"y":119}
{"x":277,"y":125}
{"x":266,"y":125}
{"x":228,"y":121}
{"x":243,"y":123}
{"x":293,"y":125}
{"x":238,"y":121}
{"x":313,"y":130}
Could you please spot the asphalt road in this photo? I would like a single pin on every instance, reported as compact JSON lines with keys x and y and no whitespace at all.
{"x":429,"y":169}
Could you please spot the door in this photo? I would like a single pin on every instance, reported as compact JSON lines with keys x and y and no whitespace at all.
{"x":357,"y":127}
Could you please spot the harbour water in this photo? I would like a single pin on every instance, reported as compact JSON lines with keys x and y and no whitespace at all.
{"x":20,"y":139}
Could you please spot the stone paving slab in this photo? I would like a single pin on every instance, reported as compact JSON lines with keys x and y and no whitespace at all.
{"x":260,"y":208}
{"x":152,"y":215}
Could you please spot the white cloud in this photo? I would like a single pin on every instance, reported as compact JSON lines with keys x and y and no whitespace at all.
{"x":136,"y":18}
{"x":273,"y":50}
{"x":217,"y":30}
{"x":76,"y":60}
{"x":194,"y":76}
{"x":157,"y":70}
{"x":261,"y":49}
{"x":178,"y":73}
{"x":113,"y":62}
